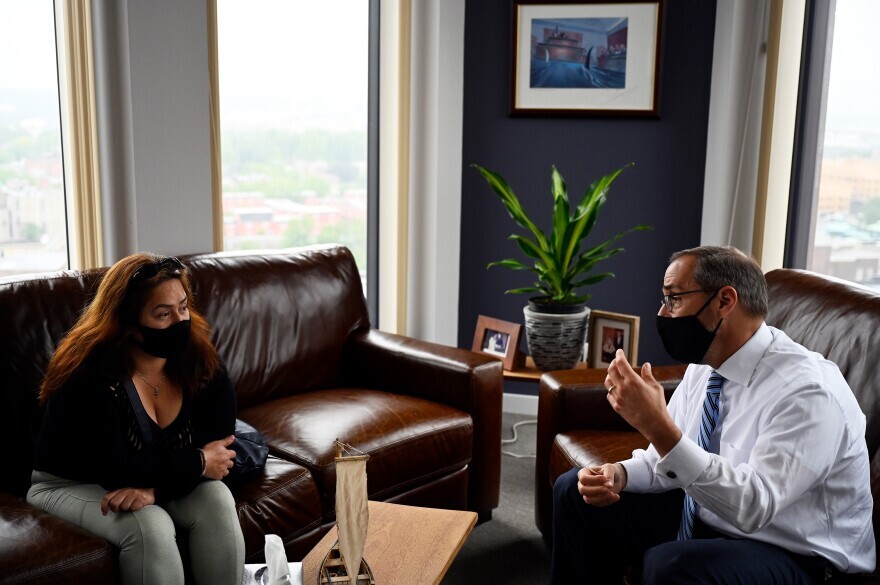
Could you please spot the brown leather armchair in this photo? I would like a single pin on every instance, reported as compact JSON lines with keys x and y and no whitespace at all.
{"x":577,"y":427}
{"x":293,"y":330}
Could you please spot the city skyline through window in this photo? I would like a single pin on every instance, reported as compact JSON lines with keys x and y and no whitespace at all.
{"x":846,"y":241}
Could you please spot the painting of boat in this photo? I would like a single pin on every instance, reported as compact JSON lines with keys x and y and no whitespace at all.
{"x":579,"y":53}
{"x":560,"y":46}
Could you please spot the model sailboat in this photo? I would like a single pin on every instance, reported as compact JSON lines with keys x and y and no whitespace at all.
{"x":345,"y":563}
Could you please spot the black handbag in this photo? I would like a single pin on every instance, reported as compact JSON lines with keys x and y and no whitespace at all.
{"x":251,"y":453}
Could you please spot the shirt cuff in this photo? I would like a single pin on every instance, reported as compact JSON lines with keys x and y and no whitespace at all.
{"x":638,"y":474}
{"x":684,"y":463}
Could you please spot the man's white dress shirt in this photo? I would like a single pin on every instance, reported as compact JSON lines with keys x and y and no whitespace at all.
{"x":787,"y":463}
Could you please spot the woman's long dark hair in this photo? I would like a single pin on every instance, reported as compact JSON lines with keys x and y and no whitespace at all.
{"x":104,"y":330}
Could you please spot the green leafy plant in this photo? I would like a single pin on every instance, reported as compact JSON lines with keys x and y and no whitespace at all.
{"x":562,"y":268}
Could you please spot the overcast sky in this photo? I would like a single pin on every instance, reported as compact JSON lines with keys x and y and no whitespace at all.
{"x":854,"y":93}
{"x":27,"y":44}
{"x":297,"y":64}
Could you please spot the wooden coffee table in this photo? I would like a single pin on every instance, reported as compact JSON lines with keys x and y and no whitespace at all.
{"x":405,"y":544}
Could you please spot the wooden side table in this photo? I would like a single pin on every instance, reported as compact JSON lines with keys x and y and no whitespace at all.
{"x":529,"y":373}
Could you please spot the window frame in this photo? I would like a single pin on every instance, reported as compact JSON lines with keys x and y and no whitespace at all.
{"x":809,"y":132}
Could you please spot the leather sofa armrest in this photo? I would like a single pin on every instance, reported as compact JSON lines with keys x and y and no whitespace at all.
{"x":460,"y":378}
{"x":439,"y":373}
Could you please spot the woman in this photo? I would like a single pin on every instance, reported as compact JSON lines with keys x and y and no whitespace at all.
{"x":139,"y":419}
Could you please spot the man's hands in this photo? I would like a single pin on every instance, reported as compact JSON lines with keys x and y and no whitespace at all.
{"x":640,"y":400}
{"x":601,"y":485}
{"x":127,"y":500}
{"x":218,"y":458}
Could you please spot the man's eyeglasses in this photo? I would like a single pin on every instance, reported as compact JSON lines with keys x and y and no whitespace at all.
{"x":148,"y":271}
{"x":673,"y":300}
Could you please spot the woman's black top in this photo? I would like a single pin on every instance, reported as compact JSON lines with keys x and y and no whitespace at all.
{"x":90,"y":433}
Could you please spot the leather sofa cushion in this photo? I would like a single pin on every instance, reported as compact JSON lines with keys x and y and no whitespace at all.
{"x":409,"y":440}
{"x":584,"y":448}
{"x":282,"y":501}
{"x":36,"y":547}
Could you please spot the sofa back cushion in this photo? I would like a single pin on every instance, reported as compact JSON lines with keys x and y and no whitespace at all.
{"x":280,"y":319}
{"x":35,"y":313}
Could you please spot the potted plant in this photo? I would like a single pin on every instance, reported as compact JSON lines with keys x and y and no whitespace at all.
{"x":556,"y":318}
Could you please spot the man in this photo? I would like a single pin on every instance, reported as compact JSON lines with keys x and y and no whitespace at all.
{"x":757,"y":471}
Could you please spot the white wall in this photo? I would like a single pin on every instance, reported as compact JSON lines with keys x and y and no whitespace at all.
{"x":435,"y":169}
{"x":153,"y":94}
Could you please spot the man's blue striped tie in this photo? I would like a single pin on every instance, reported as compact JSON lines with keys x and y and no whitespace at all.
{"x":707,"y":427}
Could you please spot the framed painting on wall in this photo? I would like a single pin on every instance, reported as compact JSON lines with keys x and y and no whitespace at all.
{"x":586,"y":58}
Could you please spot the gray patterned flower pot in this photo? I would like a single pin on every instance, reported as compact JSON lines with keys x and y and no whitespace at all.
{"x":555,"y":341}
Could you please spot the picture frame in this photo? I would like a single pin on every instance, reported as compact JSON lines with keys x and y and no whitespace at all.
{"x":498,"y":338}
{"x":609,"y":332}
{"x":587,"y":58}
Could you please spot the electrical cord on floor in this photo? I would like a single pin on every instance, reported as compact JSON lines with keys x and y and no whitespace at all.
{"x":515,"y":437}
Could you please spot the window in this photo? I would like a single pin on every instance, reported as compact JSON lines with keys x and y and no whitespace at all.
{"x":33,"y":224}
{"x":844,"y":226}
{"x":294,"y":100}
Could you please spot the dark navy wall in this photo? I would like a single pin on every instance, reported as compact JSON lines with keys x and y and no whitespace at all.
{"x":664,"y":189}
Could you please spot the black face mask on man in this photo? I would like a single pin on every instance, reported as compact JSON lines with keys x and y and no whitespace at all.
{"x":684,"y":338}
{"x":165,"y":343}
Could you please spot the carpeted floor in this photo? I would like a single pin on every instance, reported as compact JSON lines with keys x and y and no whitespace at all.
{"x":508,"y":549}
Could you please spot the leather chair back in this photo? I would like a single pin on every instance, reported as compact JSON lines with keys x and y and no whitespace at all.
{"x":841,"y":321}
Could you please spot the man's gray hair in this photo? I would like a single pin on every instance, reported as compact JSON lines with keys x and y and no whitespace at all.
{"x":719,"y":266}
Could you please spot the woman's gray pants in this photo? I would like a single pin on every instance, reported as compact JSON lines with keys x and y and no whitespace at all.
{"x":146,"y":539}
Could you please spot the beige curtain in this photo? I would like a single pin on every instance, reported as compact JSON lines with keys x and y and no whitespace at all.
{"x":735,"y":113}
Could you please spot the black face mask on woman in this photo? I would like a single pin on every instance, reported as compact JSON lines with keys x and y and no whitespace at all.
{"x":165,"y":343}
{"x":684,"y":338}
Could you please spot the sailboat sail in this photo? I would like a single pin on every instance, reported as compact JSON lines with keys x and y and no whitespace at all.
{"x":352,"y":513}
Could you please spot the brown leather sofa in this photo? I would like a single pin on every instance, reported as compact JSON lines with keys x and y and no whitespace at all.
{"x":577,"y":427}
{"x":293,"y":330}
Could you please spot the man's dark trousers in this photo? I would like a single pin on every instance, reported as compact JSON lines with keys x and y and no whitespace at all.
{"x":595,"y":545}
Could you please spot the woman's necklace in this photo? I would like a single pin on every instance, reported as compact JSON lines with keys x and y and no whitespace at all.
{"x":155,"y":388}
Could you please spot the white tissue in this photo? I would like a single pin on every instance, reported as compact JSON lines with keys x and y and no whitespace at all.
{"x":276,"y":561}
{"x":258,"y":574}
{"x":276,"y":571}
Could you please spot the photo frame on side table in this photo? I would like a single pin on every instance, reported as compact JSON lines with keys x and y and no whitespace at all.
{"x":498,"y":338}
{"x":610,"y":332}
{"x":586,"y":58}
